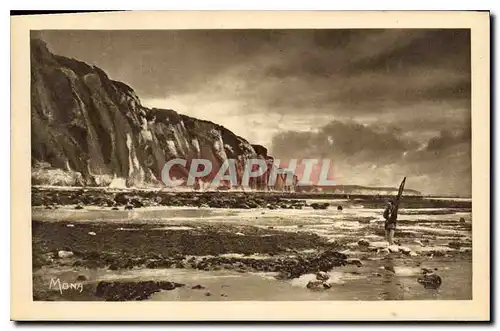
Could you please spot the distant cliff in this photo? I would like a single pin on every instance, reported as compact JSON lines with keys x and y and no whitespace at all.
{"x":87,"y":129}
{"x":356,"y":190}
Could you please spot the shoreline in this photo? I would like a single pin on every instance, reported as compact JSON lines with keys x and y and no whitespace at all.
{"x":98,"y":252}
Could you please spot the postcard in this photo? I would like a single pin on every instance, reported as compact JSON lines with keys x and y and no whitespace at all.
{"x":271,"y":166}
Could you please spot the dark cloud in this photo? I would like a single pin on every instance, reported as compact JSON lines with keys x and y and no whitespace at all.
{"x":379,"y":156}
{"x":338,"y":139}
{"x":447,"y":139}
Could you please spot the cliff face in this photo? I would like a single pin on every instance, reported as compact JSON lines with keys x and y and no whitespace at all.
{"x":90,"y":130}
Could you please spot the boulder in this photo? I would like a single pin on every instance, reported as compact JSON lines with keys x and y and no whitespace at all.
{"x":323,"y":276}
{"x":92,"y":233}
{"x":314,"y":284}
{"x":316,"y":205}
{"x":430,"y":280}
{"x":339,"y":208}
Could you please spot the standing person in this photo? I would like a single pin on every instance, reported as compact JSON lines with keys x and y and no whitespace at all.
{"x":390,"y":222}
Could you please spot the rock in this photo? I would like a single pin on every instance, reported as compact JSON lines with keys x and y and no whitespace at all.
{"x":113,"y":266}
{"x":313,"y":284}
{"x":339,"y":208}
{"x":70,"y":225}
{"x":129,"y":207}
{"x":198,"y":287}
{"x":64,"y":254}
{"x":81,"y":278}
{"x":322,"y":276}
{"x":412,"y":253}
{"x":393,"y":249}
{"x":383,"y":251}
{"x":92,"y":233}
{"x":239,"y":234}
{"x":316,"y":205}
{"x":136,"y":203}
{"x":363,"y":243}
{"x":78,"y":207}
{"x":223,"y":295}
{"x":327,"y":286}
{"x":432,"y":281}
{"x":455,"y":244}
{"x":115,"y":208}
{"x":376,"y":274}
{"x":426,"y":271}
{"x":127,"y":291}
{"x":354,"y":261}
{"x":208,"y":294}
{"x":404,"y":250}
{"x":462,"y":220}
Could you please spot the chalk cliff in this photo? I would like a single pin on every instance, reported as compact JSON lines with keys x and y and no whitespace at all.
{"x":87,"y":129}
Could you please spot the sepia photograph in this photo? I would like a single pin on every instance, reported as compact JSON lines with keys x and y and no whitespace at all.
{"x":272,"y":164}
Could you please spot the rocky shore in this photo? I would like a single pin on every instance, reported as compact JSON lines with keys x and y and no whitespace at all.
{"x":131,"y":199}
{"x":116,"y":247}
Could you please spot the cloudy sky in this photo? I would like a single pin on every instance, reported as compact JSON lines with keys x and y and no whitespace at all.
{"x":381,"y":104}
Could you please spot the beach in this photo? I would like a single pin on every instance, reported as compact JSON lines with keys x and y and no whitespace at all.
{"x":272,"y":249}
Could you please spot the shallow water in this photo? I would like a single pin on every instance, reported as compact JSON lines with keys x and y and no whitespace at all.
{"x":370,"y":282}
